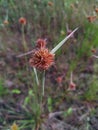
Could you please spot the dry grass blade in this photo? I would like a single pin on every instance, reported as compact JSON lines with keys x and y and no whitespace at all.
{"x":63,"y":41}
{"x":95,"y":56}
{"x":24,"y":54}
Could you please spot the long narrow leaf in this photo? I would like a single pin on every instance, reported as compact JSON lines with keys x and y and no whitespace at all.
{"x":63,"y":41}
{"x":25,"y":54}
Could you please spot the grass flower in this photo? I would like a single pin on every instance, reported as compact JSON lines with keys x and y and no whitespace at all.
{"x":5,"y":22}
{"x":93,"y":50}
{"x":42,"y":59}
{"x":41,"y":43}
{"x":96,"y":10}
{"x":14,"y":126}
{"x":91,"y":18}
{"x":59,"y":79}
{"x":72,"y":85}
{"x":50,"y":3}
{"x":22,"y":20}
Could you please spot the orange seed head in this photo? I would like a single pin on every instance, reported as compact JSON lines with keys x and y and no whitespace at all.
{"x":41,"y":43}
{"x":22,"y":20}
{"x":42,"y":59}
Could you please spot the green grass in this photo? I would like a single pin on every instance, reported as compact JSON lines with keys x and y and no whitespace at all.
{"x":3,"y":89}
{"x":92,"y":92}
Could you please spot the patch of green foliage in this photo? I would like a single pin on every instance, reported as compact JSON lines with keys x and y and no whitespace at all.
{"x":3,"y":90}
{"x":92,"y":92}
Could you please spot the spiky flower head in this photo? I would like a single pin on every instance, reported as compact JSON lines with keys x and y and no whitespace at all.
{"x":42,"y":59}
{"x":22,"y":20}
{"x":41,"y":43}
{"x":91,"y":18}
{"x":72,"y":86}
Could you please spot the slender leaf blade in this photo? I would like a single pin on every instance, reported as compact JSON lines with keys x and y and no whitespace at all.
{"x":63,"y":41}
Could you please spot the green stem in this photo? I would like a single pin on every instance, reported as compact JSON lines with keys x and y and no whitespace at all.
{"x":43,"y":83}
{"x":36,"y":76}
